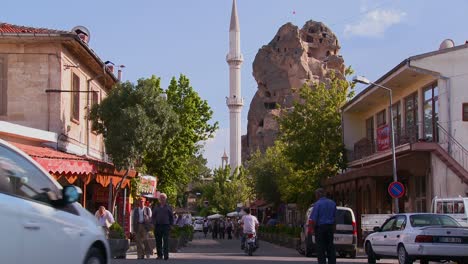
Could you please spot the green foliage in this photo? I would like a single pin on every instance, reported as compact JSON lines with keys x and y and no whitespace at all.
{"x":314,"y":147}
{"x":268,"y":170}
{"x":225,"y":191}
{"x":116,"y":231}
{"x":172,"y":164}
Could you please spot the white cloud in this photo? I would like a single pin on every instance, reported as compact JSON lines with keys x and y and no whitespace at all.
{"x":375,"y":23}
{"x":214,"y":148}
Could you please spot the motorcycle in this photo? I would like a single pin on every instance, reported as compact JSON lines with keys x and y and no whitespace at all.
{"x":250,"y":244}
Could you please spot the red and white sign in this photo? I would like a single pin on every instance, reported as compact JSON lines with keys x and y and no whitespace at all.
{"x":383,"y":138}
{"x":147,"y":186}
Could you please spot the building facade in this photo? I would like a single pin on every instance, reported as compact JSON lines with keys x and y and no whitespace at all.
{"x":49,"y":80}
{"x":430,"y":116}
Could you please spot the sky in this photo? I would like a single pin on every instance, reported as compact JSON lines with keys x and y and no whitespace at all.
{"x":167,"y":38}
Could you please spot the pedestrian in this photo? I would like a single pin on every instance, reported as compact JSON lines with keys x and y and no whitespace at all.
{"x":322,"y":224}
{"x":229,"y":226}
{"x":215,"y":228}
{"x":141,"y":224}
{"x":205,"y":227}
{"x":222,"y":228}
{"x":104,"y":218}
{"x":163,"y":218}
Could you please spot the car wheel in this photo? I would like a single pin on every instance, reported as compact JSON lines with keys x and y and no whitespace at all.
{"x":371,"y":258}
{"x":352,"y":254}
{"x":95,"y":256}
{"x":403,"y":257}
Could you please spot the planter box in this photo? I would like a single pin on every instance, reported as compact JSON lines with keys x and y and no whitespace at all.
{"x":173,"y":244}
{"x":119,"y":247}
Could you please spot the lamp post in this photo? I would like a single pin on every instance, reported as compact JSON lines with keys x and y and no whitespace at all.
{"x":363,"y":80}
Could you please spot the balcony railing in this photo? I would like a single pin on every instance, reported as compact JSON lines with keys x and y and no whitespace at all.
{"x":365,"y":147}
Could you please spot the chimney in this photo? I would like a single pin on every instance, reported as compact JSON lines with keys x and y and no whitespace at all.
{"x":110,"y":67}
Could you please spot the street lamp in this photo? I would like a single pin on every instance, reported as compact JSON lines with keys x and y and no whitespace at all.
{"x":363,"y":80}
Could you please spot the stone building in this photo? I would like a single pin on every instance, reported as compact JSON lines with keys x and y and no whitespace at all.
{"x":293,"y":58}
{"x":49,"y":79}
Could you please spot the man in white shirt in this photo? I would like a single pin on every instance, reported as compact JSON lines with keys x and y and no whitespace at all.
{"x":249,"y":225}
{"x":104,"y":218}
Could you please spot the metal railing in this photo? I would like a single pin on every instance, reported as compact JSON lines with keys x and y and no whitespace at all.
{"x":365,"y":147}
{"x":454,"y":148}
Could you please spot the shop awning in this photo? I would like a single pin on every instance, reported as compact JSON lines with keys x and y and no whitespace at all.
{"x":62,"y":164}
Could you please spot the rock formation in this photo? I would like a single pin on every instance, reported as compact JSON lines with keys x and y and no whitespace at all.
{"x":294,"y":57}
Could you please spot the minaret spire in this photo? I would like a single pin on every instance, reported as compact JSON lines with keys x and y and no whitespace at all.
{"x":234,"y":101}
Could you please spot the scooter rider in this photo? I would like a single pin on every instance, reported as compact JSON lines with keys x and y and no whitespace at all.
{"x":249,"y":225}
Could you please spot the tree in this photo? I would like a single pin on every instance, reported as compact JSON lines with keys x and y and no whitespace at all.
{"x":315,"y":147}
{"x":172,"y":165}
{"x":267,"y":169}
{"x":224,"y":191}
{"x":135,"y":121}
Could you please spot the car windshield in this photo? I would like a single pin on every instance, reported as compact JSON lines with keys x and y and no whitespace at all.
{"x":198,"y":222}
{"x":343,"y":217}
{"x":432,"y":220}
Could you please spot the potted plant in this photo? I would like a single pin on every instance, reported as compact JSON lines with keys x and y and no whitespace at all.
{"x":174,"y":237}
{"x":118,"y":243}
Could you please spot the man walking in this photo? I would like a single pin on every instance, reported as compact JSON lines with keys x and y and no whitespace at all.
{"x":163,"y":218}
{"x":141,"y":219}
{"x":322,"y":224}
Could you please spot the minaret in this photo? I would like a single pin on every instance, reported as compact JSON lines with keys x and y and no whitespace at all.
{"x":234,"y":101}
{"x":224,"y":160}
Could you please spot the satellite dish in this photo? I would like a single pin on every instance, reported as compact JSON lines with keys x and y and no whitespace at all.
{"x":446,"y":44}
{"x":83,"y":33}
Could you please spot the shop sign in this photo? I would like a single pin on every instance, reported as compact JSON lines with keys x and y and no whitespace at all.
{"x":147,"y":186}
{"x":383,"y":138}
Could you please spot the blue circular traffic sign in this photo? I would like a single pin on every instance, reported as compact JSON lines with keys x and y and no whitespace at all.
{"x":396,"y":189}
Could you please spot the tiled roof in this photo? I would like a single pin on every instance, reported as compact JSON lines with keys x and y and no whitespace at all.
{"x":9,"y":28}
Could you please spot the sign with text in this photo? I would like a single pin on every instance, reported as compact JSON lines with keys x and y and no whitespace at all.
{"x":147,"y":186}
{"x":383,"y":138}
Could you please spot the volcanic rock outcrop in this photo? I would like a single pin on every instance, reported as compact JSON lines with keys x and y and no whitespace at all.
{"x":293,"y":58}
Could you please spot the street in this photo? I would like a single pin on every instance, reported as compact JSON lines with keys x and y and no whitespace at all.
{"x":202,"y":250}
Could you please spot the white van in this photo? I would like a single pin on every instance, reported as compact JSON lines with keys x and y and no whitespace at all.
{"x":454,"y":207}
{"x":345,"y":236}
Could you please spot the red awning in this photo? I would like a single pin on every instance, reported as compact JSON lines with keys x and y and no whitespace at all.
{"x":62,"y":164}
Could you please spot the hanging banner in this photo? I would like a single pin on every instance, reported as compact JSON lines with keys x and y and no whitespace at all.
{"x":147,"y":186}
{"x":383,"y":138}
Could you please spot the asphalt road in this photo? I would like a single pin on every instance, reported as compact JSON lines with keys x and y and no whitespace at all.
{"x":209,"y":251}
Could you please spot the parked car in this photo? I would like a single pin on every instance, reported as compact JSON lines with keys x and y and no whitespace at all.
{"x":345,"y":237}
{"x":198,"y":225}
{"x":40,"y":221}
{"x":423,"y":236}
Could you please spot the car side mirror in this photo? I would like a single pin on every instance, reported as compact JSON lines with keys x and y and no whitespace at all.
{"x":71,"y":194}
{"x":377,"y":229}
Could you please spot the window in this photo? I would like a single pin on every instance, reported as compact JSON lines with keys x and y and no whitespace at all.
{"x":411,"y":115}
{"x":465,"y":112}
{"x":270,"y":106}
{"x":370,"y":129}
{"x":400,"y":223}
{"x":431,"y":112}
{"x":260,"y":124}
{"x":381,"y":119}
{"x":94,"y":98}
{"x":396,"y":112}
{"x":19,"y":177}
{"x":309,"y":39}
{"x":3,"y":87}
{"x":388,"y":226}
{"x":420,"y":194}
{"x":75,"y":102}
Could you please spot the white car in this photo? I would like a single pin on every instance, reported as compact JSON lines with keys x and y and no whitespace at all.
{"x":198,"y":225}
{"x":423,"y":236}
{"x":40,"y":221}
